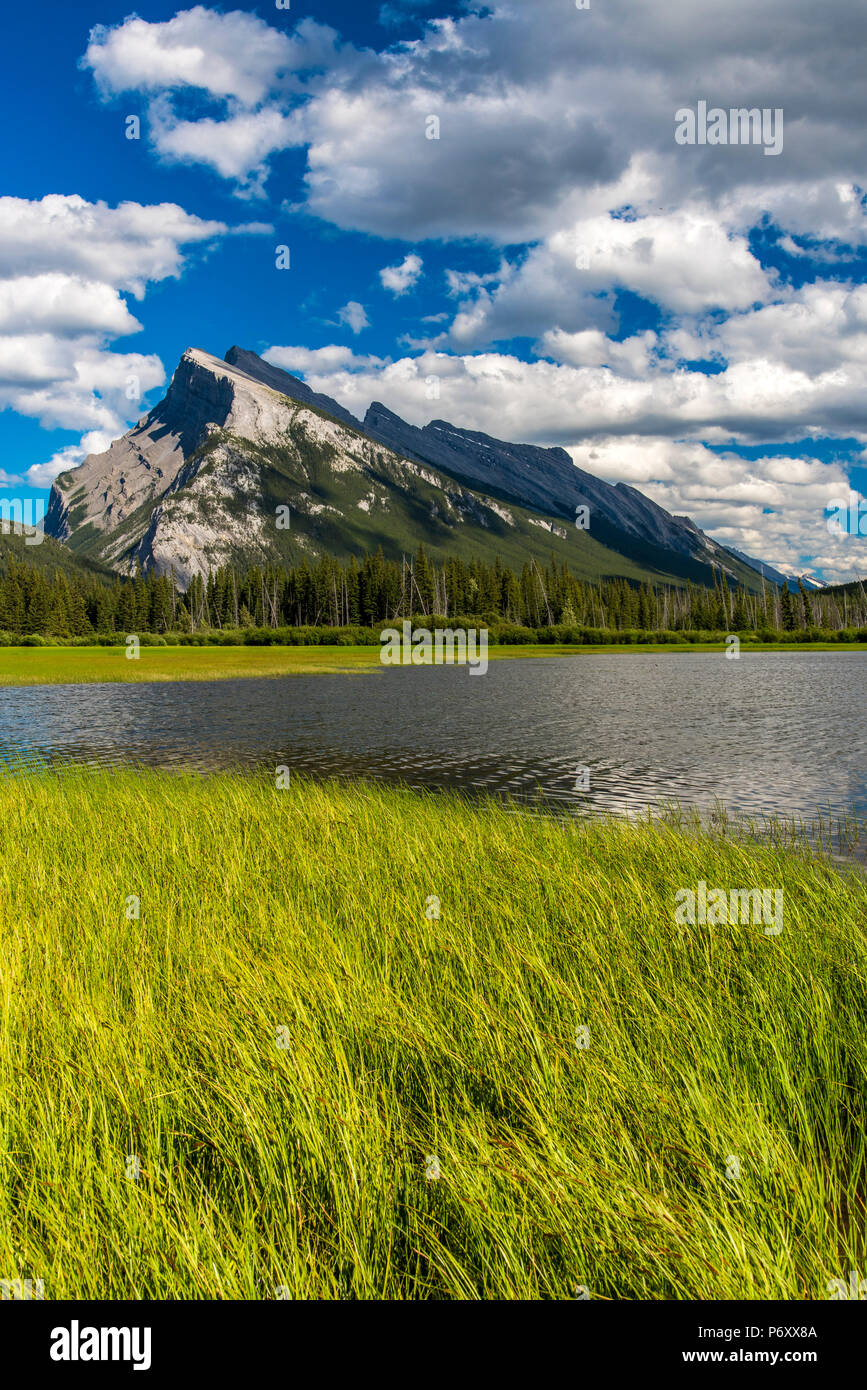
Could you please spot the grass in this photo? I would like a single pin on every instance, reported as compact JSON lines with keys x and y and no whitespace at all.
{"x":287,"y":1036}
{"x":97,"y":665}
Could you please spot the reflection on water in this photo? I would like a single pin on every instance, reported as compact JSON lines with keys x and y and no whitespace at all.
{"x":774,"y":732}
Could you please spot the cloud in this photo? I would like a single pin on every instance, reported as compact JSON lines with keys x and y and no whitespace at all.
{"x":464,"y":282}
{"x":633,"y":357}
{"x":400,"y":278}
{"x":819,"y":328}
{"x":65,"y":265}
{"x":236,"y":147}
{"x":687,"y":262}
{"x":75,"y":384}
{"x":566,"y":403}
{"x":63,"y":304}
{"x":228,"y":56}
{"x":486,"y":169}
{"x":125,"y":247}
{"x":542,"y":111}
{"x":315,"y":361}
{"x":354,"y":316}
{"x":245,"y":73}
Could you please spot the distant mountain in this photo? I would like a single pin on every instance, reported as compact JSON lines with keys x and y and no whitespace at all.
{"x":776,"y":576}
{"x":767,"y":571}
{"x":206,"y":477}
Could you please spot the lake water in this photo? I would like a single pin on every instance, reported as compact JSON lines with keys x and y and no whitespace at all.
{"x":781,"y":733}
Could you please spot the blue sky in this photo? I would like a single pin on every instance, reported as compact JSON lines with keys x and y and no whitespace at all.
{"x":690,"y":320}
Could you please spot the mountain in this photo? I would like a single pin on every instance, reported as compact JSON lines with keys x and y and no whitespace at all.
{"x":776,"y":576}
{"x":766,"y":571}
{"x":207,"y":476}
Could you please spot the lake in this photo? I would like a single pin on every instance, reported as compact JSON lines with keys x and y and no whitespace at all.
{"x":781,"y":733}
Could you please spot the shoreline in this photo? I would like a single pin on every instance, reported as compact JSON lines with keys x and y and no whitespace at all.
{"x":29,"y":666}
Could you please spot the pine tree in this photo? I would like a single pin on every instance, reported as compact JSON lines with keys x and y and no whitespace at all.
{"x":808,"y":614}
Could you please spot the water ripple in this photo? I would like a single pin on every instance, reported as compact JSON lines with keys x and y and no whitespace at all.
{"x":779,"y":733}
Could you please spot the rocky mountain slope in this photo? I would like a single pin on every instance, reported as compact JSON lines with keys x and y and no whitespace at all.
{"x":243,"y":463}
{"x":542,"y":478}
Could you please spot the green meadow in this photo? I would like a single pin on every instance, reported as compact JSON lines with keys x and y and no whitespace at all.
{"x":98,"y":665}
{"x":345,"y":1041}
{"x":95,"y":665}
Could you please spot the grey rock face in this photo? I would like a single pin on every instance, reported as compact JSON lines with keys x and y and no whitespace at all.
{"x":288,"y":385}
{"x":138,"y":468}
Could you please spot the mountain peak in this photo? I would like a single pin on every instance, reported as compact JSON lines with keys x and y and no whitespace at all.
{"x":277,"y":379}
{"x":376,"y":410}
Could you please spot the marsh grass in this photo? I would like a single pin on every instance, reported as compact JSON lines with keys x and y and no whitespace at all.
{"x":102,"y":665}
{"x":833,"y":832}
{"x":298,"y":918}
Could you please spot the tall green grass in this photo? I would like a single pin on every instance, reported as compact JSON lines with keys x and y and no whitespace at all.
{"x":287,"y":1035}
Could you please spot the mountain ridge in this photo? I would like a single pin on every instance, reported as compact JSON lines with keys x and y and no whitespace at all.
{"x":539,"y":477}
{"x":199,"y":480}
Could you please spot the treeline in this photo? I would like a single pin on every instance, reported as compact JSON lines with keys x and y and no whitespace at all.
{"x":376,"y":591}
{"x":505,"y":634}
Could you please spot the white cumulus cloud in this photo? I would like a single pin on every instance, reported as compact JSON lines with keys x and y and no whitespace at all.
{"x":400,"y":278}
{"x":354,"y":316}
